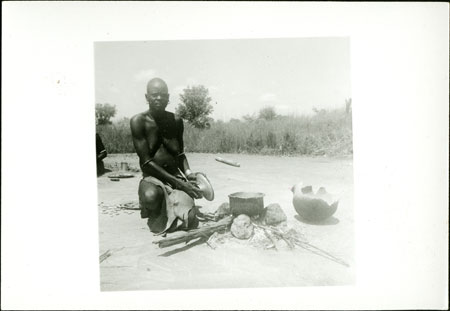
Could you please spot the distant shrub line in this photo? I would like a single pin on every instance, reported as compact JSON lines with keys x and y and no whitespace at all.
{"x":325,"y":133}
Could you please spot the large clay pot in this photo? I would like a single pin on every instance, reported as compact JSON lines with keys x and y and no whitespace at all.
{"x":312,"y":206}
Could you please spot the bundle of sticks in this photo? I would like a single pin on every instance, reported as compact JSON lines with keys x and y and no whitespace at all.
{"x":207,"y":231}
{"x":202,"y":232}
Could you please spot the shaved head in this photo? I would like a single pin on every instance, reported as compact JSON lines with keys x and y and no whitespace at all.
{"x":156,"y":85}
{"x":157,"y":96}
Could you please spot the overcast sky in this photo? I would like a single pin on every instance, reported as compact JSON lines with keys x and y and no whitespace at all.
{"x":243,"y":76}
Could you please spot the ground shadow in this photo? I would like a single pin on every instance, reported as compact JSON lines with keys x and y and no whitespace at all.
{"x":184,"y":248}
{"x":327,"y":222}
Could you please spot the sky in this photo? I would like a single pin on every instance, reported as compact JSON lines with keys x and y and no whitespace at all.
{"x":294,"y":75}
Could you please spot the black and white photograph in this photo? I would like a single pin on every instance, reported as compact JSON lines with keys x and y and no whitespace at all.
{"x":249,"y":155}
{"x":221,"y":152}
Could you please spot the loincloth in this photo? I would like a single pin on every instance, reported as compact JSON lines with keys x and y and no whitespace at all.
{"x":177,"y":210}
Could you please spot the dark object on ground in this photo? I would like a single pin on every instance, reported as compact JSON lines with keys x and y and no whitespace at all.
{"x":105,"y":255}
{"x":274,"y":214}
{"x":229,"y":162}
{"x":242,"y":227}
{"x":100,"y":154}
{"x":202,"y":232}
{"x":108,"y":253}
{"x":133,"y":205}
{"x":124,"y":166}
{"x":120,"y":175}
{"x":249,"y":203}
{"x":114,"y":179}
{"x":313,"y":207}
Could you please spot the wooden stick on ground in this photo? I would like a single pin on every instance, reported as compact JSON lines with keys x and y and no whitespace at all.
{"x":310,"y":247}
{"x":271,"y":238}
{"x":202,"y":232}
{"x":108,"y":253}
{"x":210,"y":241}
{"x":304,"y":244}
{"x":105,"y":255}
{"x":285,"y":237}
{"x":319,"y":252}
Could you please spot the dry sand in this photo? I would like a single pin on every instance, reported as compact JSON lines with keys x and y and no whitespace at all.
{"x":137,"y":264}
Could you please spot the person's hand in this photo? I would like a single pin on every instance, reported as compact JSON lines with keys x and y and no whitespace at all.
{"x":191,"y":189}
{"x":191,"y":177}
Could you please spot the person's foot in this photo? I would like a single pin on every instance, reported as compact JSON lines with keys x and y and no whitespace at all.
{"x":192,"y":219}
{"x":157,"y":223}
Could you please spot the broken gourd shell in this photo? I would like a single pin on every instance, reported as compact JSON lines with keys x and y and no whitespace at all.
{"x":312,"y":207}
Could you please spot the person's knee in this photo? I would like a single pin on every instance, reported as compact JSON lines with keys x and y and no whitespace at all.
{"x":152,"y":197}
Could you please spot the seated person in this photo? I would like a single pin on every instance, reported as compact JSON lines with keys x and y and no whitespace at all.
{"x":101,"y":154}
{"x":167,"y":190}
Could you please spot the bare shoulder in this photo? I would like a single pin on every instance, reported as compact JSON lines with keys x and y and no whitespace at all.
{"x":142,"y":117}
{"x":136,"y":121}
{"x":140,"y":121}
{"x":138,"y":117}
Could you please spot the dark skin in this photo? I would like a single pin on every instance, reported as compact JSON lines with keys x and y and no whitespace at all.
{"x":158,"y":140}
{"x":101,"y":155}
{"x":101,"y":152}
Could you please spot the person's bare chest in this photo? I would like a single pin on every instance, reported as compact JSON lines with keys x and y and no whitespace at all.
{"x":163,"y":135}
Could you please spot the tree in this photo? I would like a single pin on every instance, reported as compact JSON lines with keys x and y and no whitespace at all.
{"x":348,"y":106}
{"x":249,"y":117}
{"x":267,"y":113}
{"x":195,"y":106}
{"x":104,"y":113}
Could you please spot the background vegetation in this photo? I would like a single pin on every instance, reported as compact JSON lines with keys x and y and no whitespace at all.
{"x":195,"y":106}
{"x":104,"y":113}
{"x":326,"y":132}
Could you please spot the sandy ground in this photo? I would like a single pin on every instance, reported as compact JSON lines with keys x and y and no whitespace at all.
{"x":137,"y":264}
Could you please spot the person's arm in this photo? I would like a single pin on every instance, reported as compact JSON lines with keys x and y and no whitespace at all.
{"x":183,"y":163}
{"x":146,"y":151}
